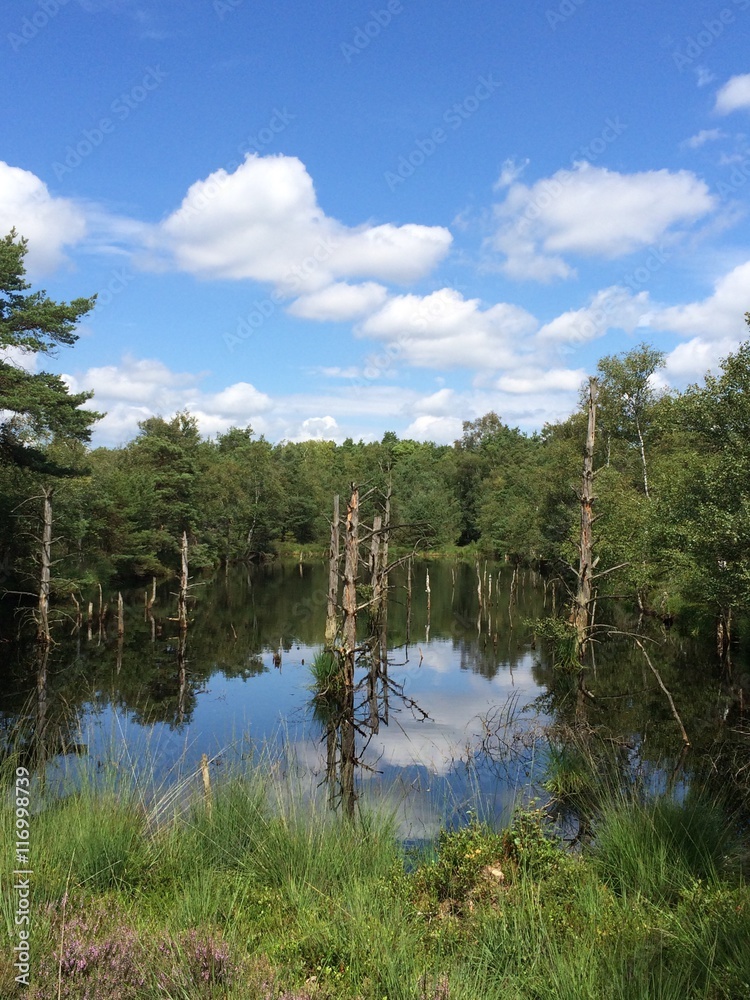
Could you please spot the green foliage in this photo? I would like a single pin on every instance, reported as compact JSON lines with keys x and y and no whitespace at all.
{"x":265,"y":893}
{"x":562,"y":638}
{"x":327,"y":677}
{"x":661,"y":848}
{"x":450,"y":881}
{"x":35,"y":405}
{"x":672,"y":506}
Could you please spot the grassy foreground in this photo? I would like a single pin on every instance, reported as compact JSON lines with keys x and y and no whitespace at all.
{"x":267,"y":894}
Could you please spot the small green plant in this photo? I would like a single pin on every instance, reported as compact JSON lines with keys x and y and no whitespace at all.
{"x":529,"y":843}
{"x":326,"y":674}
{"x":562,"y":639}
{"x":452,"y":878}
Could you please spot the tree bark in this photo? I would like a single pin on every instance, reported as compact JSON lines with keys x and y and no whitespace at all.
{"x":643,"y":456}
{"x":349,"y":645}
{"x":182,"y":598}
{"x":45,"y":573}
{"x":333,"y":578}
{"x":580,"y":615}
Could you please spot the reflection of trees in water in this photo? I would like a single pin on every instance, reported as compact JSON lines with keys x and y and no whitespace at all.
{"x":630,"y":713}
{"x":237,"y":619}
{"x":42,"y":727}
{"x":349,"y":720}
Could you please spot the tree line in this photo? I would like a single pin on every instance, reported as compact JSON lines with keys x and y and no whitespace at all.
{"x":672,"y":480}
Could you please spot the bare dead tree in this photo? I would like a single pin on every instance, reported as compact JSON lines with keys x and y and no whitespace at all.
{"x":580,"y":615}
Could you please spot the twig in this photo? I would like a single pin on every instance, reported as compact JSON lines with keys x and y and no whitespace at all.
{"x":656,"y":674}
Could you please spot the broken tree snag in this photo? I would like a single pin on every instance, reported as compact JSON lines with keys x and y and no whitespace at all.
{"x":120,"y":615}
{"x":408,"y":600}
{"x":580,"y":613}
{"x":724,"y":633}
{"x":375,"y":611}
{"x":333,"y":578}
{"x":375,"y":564}
{"x":429,"y":606}
{"x":383,"y":586}
{"x":45,"y":572}
{"x":182,"y":597}
{"x":351,"y":569}
{"x":349,"y":646}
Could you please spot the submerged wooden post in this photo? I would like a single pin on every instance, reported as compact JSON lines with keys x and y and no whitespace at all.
{"x":580,"y":613}
{"x":45,"y":573}
{"x":207,"y":785}
{"x":333,"y":578}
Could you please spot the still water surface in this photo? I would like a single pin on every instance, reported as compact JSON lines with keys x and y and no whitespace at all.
{"x":460,"y":665}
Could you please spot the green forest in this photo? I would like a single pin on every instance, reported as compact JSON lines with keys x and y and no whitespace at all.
{"x":672,"y":481}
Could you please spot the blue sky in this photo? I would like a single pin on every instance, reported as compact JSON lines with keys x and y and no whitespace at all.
{"x":335,"y":220}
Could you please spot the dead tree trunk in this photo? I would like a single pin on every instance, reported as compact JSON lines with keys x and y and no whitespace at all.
{"x":349,"y":646}
{"x":182,"y":597}
{"x":333,"y":578}
{"x":45,"y":572}
{"x":374,"y":625}
{"x":429,"y":606}
{"x":408,"y":601}
{"x":375,"y":562}
{"x":383,"y":587}
{"x":580,"y":614}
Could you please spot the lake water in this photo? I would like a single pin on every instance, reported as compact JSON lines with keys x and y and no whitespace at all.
{"x":472,"y":680}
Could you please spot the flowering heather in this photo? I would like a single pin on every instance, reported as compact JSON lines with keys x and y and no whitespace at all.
{"x":99,"y":956}
{"x":195,"y":959}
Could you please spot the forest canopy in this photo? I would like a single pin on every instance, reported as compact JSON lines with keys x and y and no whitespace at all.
{"x":672,"y":478}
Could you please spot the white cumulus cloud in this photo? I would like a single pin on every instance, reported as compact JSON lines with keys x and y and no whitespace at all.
{"x":734,"y":95}
{"x":138,"y":388}
{"x":50,"y":224}
{"x":720,"y":315}
{"x":691,"y":360}
{"x":609,"y":308}
{"x":339,"y":302}
{"x":592,"y":211}
{"x":434,"y":427}
{"x":444,"y":330}
{"x":263,"y":222}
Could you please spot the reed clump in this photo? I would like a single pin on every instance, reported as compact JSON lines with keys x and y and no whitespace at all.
{"x":264,"y":892}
